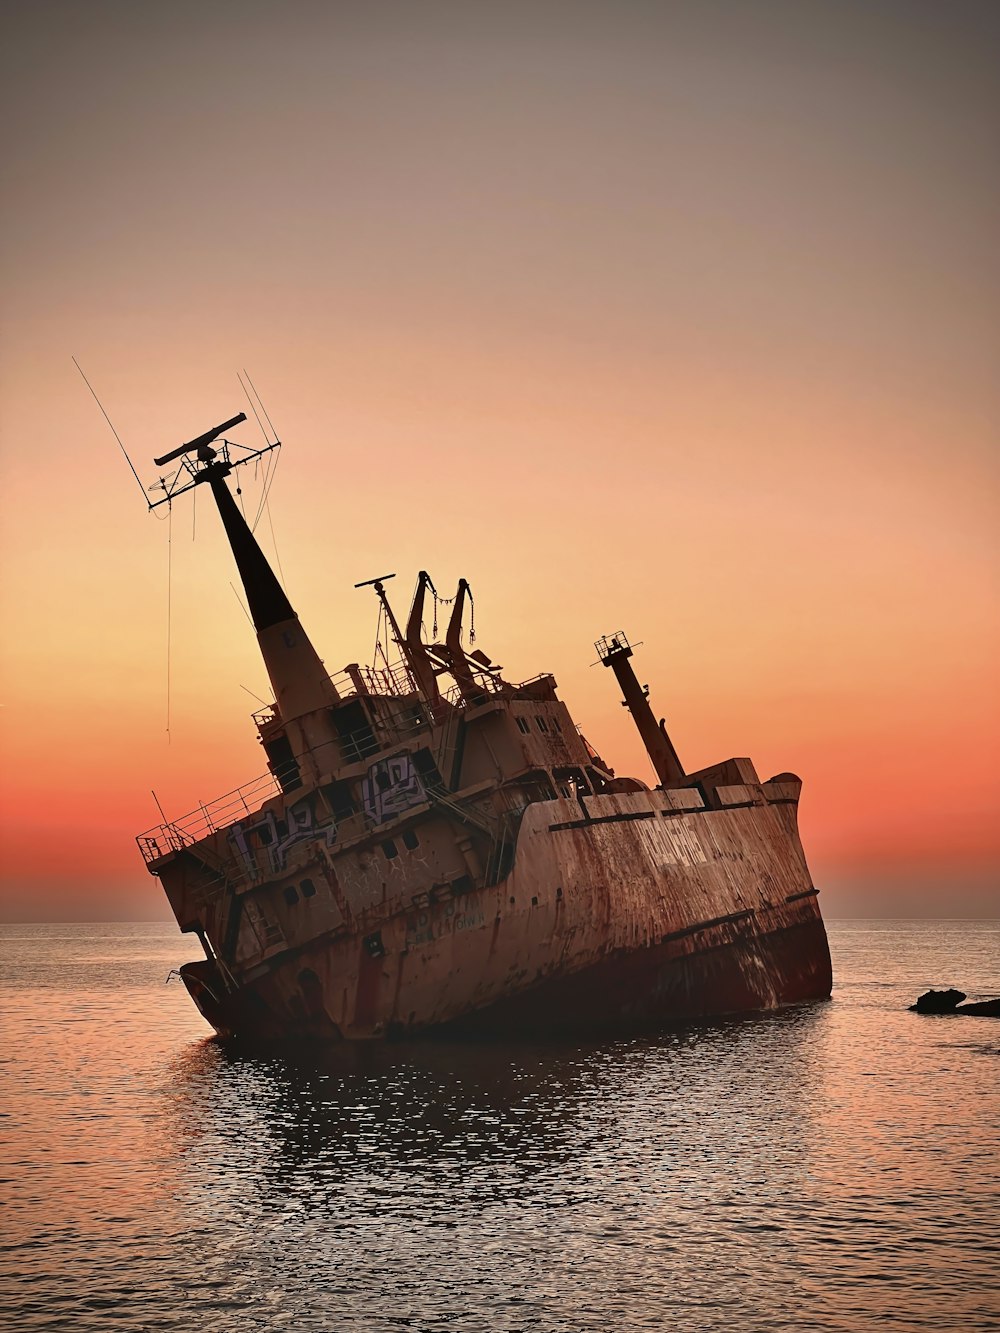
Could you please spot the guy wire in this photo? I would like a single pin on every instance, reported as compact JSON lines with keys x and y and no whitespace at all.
{"x":274,"y":540}
{"x":170,"y":571}
{"x":261,"y":401}
{"x":253,"y":408}
{"x":270,"y":467}
{"x":114,"y":432}
{"x":240,"y":600}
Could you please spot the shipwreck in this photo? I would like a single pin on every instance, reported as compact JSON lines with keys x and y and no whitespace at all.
{"x":436,"y":848}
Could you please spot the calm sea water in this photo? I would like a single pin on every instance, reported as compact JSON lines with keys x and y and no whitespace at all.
{"x":831,"y":1167}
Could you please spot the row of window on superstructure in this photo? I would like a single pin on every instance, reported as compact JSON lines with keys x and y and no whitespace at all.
{"x":524,"y":723}
{"x":306,"y":888}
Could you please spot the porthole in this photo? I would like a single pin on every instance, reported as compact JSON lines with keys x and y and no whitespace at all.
{"x":374,"y":947}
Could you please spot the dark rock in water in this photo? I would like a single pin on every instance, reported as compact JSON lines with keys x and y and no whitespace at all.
{"x":938,"y":1002}
{"x":989,"y":1008}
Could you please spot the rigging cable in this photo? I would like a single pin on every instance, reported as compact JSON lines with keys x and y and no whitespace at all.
{"x":260,"y":400}
{"x":253,"y":408}
{"x":239,"y":492}
{"x":274,"y":540}
{"x":114,"y":432}
{"x":170,"y":576}
{"x":242,"y":607}
{"x":378,"y":638}
{"x":269,"y":464}
{"x":270,"y":470}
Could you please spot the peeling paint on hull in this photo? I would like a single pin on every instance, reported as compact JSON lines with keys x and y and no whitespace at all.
{"x":592,"y":930}
{"x":420,"y":857}
{"x":640,"y":991}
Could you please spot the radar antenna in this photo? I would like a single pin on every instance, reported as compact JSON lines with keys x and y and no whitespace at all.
{"x":192,"y":471}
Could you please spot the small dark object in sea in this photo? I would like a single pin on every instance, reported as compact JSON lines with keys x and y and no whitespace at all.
{"x":950,"y":1002}
{"x":938,"y":1002}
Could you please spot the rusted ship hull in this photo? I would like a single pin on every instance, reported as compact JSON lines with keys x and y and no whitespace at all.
{"x":421,"y":857}
{"x":623,"y":912}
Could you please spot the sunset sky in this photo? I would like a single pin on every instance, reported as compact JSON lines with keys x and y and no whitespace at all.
{"x":680,"y":318}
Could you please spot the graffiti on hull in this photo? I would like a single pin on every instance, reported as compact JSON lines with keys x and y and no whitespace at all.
{"x":261,"y":845}
{"x":391,"y":787}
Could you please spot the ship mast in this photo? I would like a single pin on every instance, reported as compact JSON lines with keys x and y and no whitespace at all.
{"x":298,"y":677}
{"x":614,"y":651}
{"x":393,"y":624}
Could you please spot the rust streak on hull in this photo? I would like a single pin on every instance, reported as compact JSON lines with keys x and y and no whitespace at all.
{"x":420,"y":858}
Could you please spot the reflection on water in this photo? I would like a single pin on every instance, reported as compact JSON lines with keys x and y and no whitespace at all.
{"x":490,"y":1119}
{"x":822,"y":1167}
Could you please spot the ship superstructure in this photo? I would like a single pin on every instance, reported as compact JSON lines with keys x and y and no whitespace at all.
{"x":436,"y":847}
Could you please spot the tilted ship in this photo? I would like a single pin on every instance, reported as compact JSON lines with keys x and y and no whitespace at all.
{"x":436,"y":848}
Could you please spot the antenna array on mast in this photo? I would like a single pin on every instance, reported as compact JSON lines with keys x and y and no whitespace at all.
{"x":190,"y":472}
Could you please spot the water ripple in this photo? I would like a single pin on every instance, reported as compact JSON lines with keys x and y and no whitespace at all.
{"x":829,"y":1167}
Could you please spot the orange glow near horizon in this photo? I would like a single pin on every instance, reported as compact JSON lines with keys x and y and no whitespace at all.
{"x":708,"y":359}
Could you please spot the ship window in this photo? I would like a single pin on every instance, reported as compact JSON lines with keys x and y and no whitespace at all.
{"x":282,"y":763}
{"x":523,"y":724}
{"x":542,"y":724}
{"x":264,"y":834}
{"x":338,"y":794}
{"x":423,"y":762}
{"x":557,"y":725}
{"x":390,"y":849}
{"x":291,"y":895}
{"x":558,"y":895}
{"x":308,"y":888}
{"x":354,"y":729}
{"x":410,"y":840}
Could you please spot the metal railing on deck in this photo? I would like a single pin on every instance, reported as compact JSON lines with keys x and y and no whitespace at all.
{"x":224,"y":810}
{"x":394,"y":682}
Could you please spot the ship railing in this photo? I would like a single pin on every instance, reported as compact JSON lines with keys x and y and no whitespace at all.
{"x":463,"y":813}
{"x":394,"y":682}
{"x":176,"y":834}
{"x":391,"y":678}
